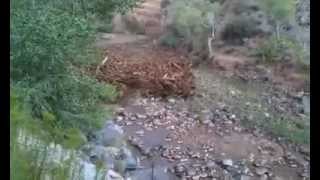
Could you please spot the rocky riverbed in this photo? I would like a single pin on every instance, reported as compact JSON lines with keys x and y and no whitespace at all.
{"x":153,"y":138}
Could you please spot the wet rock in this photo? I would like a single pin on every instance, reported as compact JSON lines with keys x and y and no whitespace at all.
{"x":111,"y":135}
{"x":105,"y":154}
{"x":129,"y":159}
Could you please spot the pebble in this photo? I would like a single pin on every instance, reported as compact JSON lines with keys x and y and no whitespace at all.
{"x":171,"y":100}
{"x":228,"y":122}
{"x":140,"y":132}
{"x":211,"y":164}
{"x":267,"y":115}
{"x":141,"y":116}
{"x":149,"y":128}
{"x":196,"y":177}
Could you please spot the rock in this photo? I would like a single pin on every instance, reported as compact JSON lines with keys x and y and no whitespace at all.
{"x":179,"y":168}
{"x":111,"y":135}
{"x":141,"y":116}
{"x":171,"y":100}
{"x":191,"y":172}
{"x":278,"y":178}
{"x":228,"y":122}
{"x":306,"y":104}
{"x":211,"y":164}
{"x":112,"y":175}
{"x":264,"y":177}
{"x":105,"y":154}
{"x":119,"y":118}
{"x":140,"y":132}
{"x":131,"y":161}
{"x":305,"y":151}
{"x":305,"y":175}
{"x":227,"y":162}
{"x":244,"y":177}
{"x":261,"y":171}
{"x":158,"y":173}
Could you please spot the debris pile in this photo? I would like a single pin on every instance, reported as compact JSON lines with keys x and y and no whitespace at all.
{"x":160,"y":77}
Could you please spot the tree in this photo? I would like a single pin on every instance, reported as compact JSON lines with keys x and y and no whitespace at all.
{"x":281,"y":11}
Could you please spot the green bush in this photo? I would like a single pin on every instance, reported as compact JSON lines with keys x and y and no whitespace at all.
{"x":169,"y":40}
{"x":49,"y":48}
{"x":275,"y":49}
{"x":281,"y":12}
{"x":52,"y":96}
{"x":239,"y":28}
{"x":190,"y":22}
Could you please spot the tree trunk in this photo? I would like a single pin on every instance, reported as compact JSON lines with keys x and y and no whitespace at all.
{"x":277,"y":30}
{"x":210,"y":47}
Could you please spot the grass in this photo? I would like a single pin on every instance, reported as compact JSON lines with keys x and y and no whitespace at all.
{"x":247,"y":101}
{"x":288,"y":126}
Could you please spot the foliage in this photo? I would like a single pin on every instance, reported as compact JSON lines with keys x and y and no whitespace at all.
{"x":52,"y":99}
{"x":297,"y":132}
{"x":239,"y":28}
{"x":190,"y":21}
{"x":169,"y":40}
{"x":26,"y":160}
{"x":49,"y":47}
{"x":282,"y":11}
{"x":133,"y":24}
{"x":277,"y":49}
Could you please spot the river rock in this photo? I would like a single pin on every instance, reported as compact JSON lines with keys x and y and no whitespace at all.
{"x":105,"y":154}
{"x":131,"y":161}
{"x":111,"y":135}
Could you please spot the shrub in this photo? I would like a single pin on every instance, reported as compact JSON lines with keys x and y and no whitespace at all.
{"x":169,"y":40}
{"x":133,"y":24}
{"x":277,"y":49}
{"x":239,"y":28}
{"x":190,"y":22}
{"x":50,"y":45}
{"x":52,"y":97}
{"x":281,"y":12}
